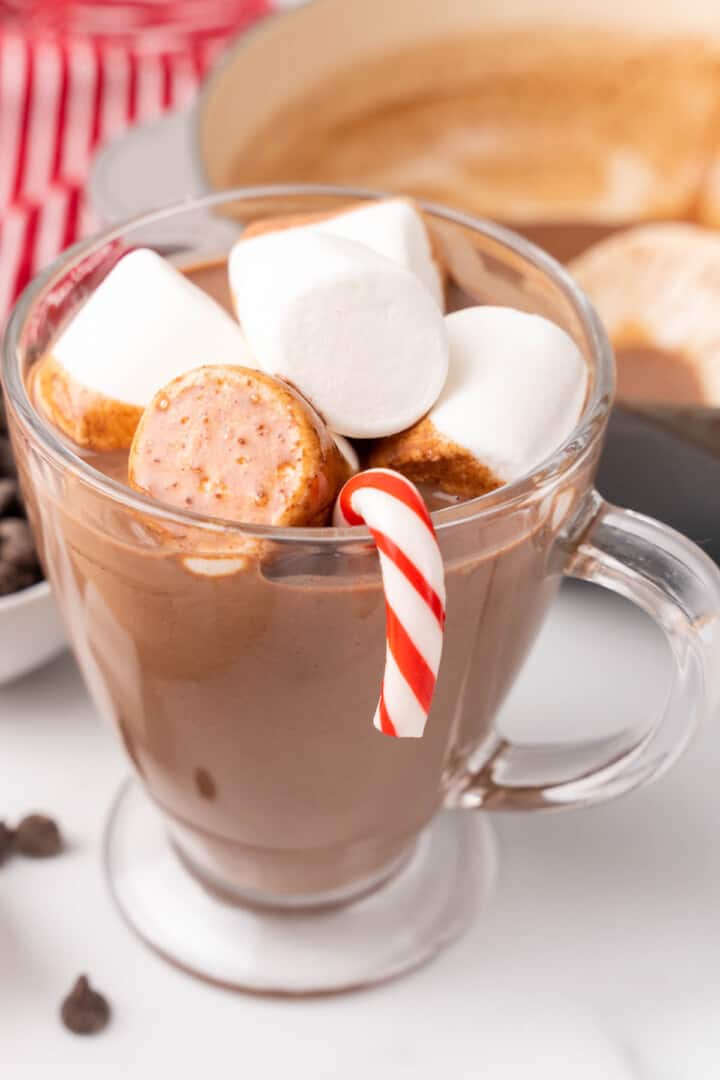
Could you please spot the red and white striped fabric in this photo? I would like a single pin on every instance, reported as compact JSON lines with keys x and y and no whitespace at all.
{"x":74,"y":75}
{"x":414,"y":584}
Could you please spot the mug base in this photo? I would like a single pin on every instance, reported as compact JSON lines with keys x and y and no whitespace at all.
{"x":431,"y":899}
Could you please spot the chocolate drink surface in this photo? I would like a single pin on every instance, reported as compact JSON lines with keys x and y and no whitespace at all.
{"x":243,"y":674}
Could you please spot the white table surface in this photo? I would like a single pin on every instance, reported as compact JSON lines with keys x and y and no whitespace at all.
{"x":598,"y":957}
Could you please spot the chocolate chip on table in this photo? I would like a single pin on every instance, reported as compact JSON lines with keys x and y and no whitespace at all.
{"x":7,"y":461}
{"x":9,"y":494}
{"x":15,"y":578}
{"x":19,"y":567}
{"x":7,"y":841}
{"x":84,"y":1011}
{"x":16,"y":543}
{"x":38,"y":836}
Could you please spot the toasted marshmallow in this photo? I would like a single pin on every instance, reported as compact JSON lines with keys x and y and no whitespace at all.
{"x":144,"y":325}
{"x":235,"y":443}
{"x":708,"y":210}
{"x":657,"y":290}
{"x":357,"y":334}
{"x":391,"y":227}
{"x":514,"y":392}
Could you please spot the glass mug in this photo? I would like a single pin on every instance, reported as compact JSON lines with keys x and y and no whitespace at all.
{"x":275,"y":840}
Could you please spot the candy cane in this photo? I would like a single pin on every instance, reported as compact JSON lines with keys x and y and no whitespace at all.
{"x":414,"y":584}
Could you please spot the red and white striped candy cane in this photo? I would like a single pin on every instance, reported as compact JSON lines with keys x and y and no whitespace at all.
{"x":414,"y":583}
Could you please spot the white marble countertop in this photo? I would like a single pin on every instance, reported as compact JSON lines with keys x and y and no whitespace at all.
{"x":598,"y":957}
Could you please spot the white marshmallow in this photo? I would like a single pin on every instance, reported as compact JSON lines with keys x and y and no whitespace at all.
{"x":395,"y":229}
{"x":359,"y":335}
{"x":145,"y":324}
{"x":515,"y":388}
{"x":214,"y":567}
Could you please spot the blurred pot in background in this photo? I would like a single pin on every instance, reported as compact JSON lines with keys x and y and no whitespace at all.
{"x":562,"y":120}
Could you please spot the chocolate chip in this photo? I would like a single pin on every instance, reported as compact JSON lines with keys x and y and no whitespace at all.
{"x":84,"y":1011}
{"x":16,"y":543}
{"x":19,"y":566}
{"x":205,"y":784}
{"x":7,"y":839}
{"x":8,"y":494}
{"x":15,"y":578}
{"x":38,"y":836}
{"x":7,"y":462}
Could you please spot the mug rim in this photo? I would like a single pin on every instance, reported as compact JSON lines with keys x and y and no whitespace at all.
{"x":546,"y":474}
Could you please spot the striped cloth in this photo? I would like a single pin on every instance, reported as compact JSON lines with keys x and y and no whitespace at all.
{"x":74,"y":75}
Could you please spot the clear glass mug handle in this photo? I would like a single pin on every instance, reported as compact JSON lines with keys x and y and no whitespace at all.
{"x":672,"y":580}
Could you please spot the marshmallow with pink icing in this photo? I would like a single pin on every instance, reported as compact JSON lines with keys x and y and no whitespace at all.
{"x":514,"y":393}
{"x":359,"y":335}
{"x":144,"y":325}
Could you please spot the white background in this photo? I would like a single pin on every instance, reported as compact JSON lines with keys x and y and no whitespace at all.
{"x":599,"y":956}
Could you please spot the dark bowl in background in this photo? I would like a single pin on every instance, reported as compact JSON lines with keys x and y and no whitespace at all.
{"x":666,"y":463}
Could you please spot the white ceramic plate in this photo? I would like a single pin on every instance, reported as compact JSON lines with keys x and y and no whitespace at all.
{"x":31,"y":631}
{"x":150,"y":166}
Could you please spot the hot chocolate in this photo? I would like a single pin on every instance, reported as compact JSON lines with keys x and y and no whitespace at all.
{"x":247,"y":667}
{"x":242,"y":673}
{"x":244,"y":700}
